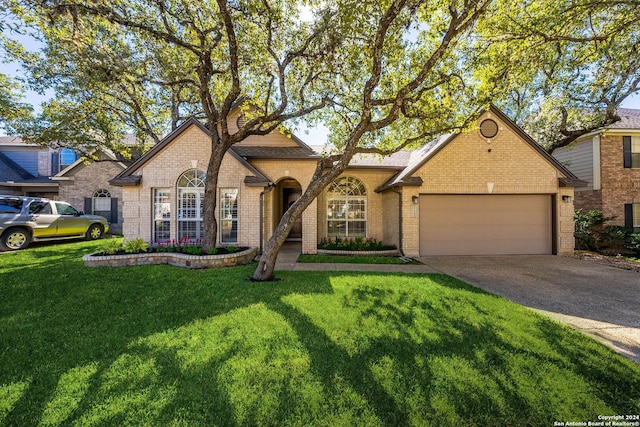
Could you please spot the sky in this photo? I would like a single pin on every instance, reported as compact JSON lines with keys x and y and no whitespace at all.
{"x":312,"y":136}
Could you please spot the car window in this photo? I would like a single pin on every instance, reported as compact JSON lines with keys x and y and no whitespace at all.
{"x":64,"y":209}
{"x":10,"y":205}
{"x":40,"y":208}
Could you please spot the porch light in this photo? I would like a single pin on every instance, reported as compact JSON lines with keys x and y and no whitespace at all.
{"x":414,"y":199}
{"x":567,"y":199}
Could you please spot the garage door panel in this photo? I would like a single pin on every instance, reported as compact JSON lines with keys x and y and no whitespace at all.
{"x":485,"y":225}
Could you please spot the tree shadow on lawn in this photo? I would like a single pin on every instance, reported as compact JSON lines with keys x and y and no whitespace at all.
{"x":160,"y":345}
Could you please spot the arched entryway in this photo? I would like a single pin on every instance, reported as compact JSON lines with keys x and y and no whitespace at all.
{"x":288,"y":190}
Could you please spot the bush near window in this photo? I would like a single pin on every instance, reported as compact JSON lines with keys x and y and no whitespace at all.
{"x":183,"y":246}
{"x":592,"y":233}
{"x":354,"y":244}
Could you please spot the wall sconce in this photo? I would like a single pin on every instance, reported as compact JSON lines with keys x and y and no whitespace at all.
{"x":194,"y":164}
{"x":414,"y":199}
{"x":490,"y":187}
{"x":567,"y":199}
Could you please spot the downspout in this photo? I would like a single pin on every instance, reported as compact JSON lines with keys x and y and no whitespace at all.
{"x":262,"y":193}
{"x":399,"y":193}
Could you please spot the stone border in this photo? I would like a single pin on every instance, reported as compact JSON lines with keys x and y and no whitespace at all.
{"x":389,"y":252}
{"x":172,"y":258}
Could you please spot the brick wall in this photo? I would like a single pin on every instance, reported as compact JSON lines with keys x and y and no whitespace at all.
{"x":470,"y":164}
{"x":86,"y":179}
{"x":619,"y":185}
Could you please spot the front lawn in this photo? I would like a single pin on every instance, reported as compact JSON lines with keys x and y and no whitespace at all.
{"x":160,"y":345}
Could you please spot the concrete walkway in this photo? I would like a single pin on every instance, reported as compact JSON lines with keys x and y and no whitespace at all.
{"x":599,"y":300}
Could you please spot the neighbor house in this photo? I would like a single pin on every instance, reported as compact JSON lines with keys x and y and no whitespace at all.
{"x":26,"y":169}
{"x":64,"y":174}
{"x":492,"y":190}
{"x":608,"y":161}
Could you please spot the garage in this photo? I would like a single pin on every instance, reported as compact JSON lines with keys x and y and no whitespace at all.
{"x":486,"y":224}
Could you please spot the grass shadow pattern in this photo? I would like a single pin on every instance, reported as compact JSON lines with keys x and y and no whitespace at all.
{"x":158,"y":345}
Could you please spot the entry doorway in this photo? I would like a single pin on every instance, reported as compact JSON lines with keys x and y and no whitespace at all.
{"x":289,"y":190}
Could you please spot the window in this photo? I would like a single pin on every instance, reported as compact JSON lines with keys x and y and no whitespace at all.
{"x":65,"y":209}
{"x":347,"y":208}
{"x":40,"y":208}
{"x":228,"y":215}
{"x":101,"y":203}
{"x":631,"y":148}
{"x":161,"y":215}
{"x":632,"y":215}
{"x":190,"y":198}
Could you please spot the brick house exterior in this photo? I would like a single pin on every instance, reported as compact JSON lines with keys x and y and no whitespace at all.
{"x":608,"y":161}
{"x":85,"y":185}
{"x":490,"y":190}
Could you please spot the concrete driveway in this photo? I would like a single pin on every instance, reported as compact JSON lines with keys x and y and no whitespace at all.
{"x":600,"y":300}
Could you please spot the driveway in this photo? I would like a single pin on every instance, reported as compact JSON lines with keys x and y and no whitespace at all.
{"x":600,"y":300}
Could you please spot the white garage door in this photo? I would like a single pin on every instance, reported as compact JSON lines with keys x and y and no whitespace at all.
{"x":485,"y":224}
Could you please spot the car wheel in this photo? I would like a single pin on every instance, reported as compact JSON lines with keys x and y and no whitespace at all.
{"x":14,"y":239}
{"x":94,"y":232}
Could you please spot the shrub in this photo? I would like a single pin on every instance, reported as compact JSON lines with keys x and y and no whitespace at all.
{"x":592,"y":234}
{"x":112,"y":246}
{"x":354,"y":244}
{"x":633,"y":242}
{"x":213,"y":251}
{"x":134,"y":246}
{"x":231,"y":249}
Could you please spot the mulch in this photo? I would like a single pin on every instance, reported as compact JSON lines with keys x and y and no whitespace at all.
{"x":614,"y":261}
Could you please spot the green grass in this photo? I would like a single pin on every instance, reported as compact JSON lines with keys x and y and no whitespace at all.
{"x":160,"y":345}
{"x":354,"y":259}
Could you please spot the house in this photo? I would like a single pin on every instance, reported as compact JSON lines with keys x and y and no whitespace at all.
{"x":492,"y":190}
{"x":608,"y":161}
{"x":26,"y":169}
{"x":85,"y":184}
{"x":63,"y":174}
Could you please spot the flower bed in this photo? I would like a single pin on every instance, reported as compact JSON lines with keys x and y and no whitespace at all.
{"x":241,"y":257}
{"x":355,"y":246}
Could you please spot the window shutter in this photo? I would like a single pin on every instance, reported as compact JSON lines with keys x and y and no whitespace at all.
{"x":626,"y":149}
{"x":114,"y":210}
{"x":628,"y":215}
{"x":87,"y":205}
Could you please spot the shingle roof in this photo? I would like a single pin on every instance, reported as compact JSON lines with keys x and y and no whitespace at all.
{"x":258,"y":152}
{"x":629,"y":119}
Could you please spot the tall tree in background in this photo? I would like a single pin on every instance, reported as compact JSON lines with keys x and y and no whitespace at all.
{"x":13,"y":109}
{"x":571,"y":64}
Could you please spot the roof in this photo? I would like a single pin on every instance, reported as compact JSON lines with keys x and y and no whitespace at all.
{"x":257,"y":152}
{"x":11,"y":171}
{"x":422,"y":155}
{"x":629,"y":119}
{"x":128,"y":176}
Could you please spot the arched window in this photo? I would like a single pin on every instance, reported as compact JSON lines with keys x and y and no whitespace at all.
{"x":347,"y":208}
{"x":101,"y":203}
{"x":190,"y":198}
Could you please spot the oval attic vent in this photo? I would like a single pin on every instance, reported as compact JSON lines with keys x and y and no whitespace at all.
{"x":488,"y":128}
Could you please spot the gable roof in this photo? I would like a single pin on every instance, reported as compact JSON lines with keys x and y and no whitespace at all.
{"x":128,"y":177}
{"x":82,"y":161}
{"x":11,"y":171}
{"x":422,"y":155}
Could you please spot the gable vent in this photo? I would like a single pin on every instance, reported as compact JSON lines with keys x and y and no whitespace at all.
{"x":488,"y":128}
{"x":242,"y":120}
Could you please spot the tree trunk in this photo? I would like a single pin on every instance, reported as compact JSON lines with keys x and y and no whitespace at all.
{"x":210,"y":202}
{"x":267,"y":263}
